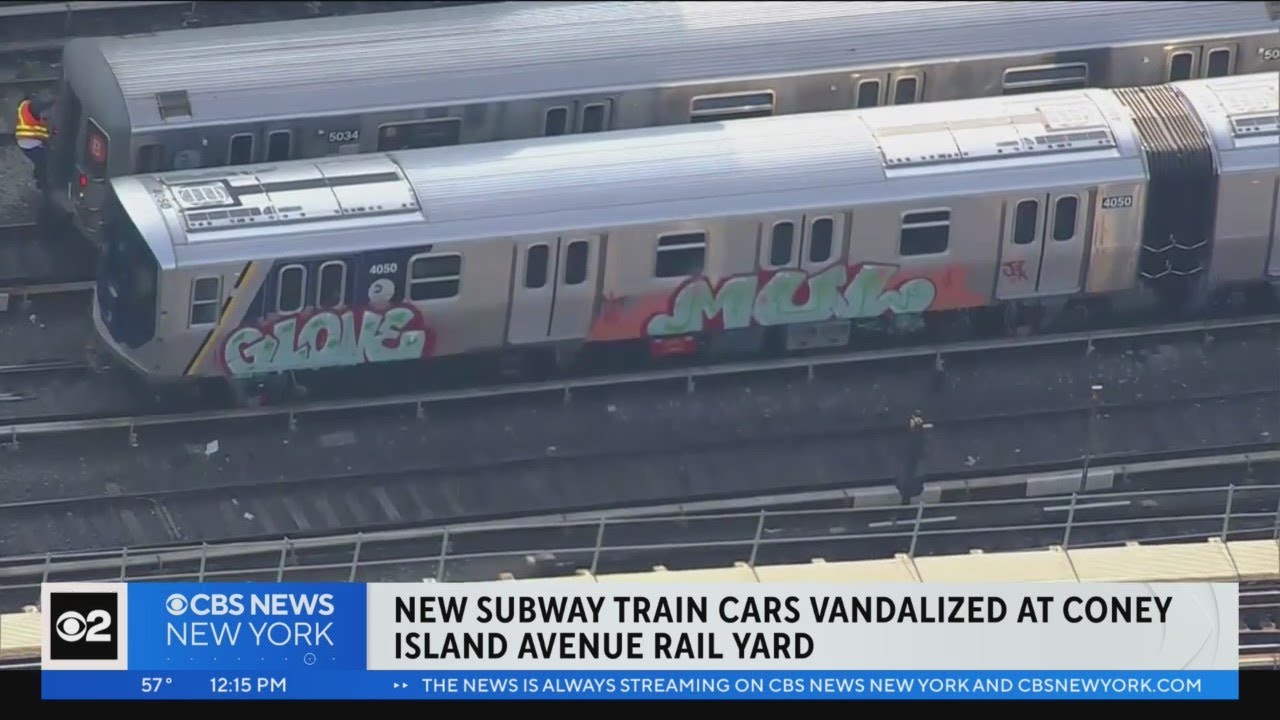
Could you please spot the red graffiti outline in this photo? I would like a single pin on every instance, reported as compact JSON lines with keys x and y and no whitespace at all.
{"x":1015,"y":270}
{"x":801,"y":295}
{"x":268,"y":325}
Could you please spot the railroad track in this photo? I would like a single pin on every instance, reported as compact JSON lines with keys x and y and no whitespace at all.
{"x":444,"y":489}
{"x":812,"y":367}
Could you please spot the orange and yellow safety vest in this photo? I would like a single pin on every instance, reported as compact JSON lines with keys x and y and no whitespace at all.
{"x":29,"y":126}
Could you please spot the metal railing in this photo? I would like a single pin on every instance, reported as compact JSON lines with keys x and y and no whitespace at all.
{"x":489,"y":551}
{"x":477,"y":551}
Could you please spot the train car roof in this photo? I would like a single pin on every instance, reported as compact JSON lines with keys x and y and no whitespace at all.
{"x":1241,"y":115}
{"x":626,"y":178}
{"x":471,"y":53}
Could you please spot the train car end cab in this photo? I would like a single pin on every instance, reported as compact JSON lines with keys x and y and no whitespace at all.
{"x":128,"y":279}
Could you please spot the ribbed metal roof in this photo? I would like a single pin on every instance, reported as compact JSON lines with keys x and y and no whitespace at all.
{"x":463,"y":54}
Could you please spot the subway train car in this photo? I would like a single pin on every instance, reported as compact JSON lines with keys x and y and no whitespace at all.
{"x":785,"y":233}
{"x":314,"y":88}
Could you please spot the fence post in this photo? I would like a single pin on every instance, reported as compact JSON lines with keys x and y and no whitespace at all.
{"x":1276,"y":534}
{"x":915,"y":531}
{"x":595,"y":553}
{"x":1071,"y":516}
{"x":444,"y":550}
{"x":284,"y":553}
{"x":1226,"y":514}
{"x":204,"y":557}
{"x":355,"y":557}
{"x":755,"y":541}
{"x":48,"y":562}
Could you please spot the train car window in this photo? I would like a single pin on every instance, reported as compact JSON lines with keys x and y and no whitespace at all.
{"x":279,"y":145}
{"x":331,"y":289}
{"x":1064,"y":218}
{"x":593,"y":118}
{"x":925,"y":233}
{"x":681,"y":255}
{"x":291,"y":289}
{"x":535,"y":266}
{"x":414,"y":135}
{"x":556,"y":122}
{"x":96,"y":149}
{"x":1024,"y":222}
{"x":781,"y":242}
{"x":434,"y":277}
{"x":240,"y":149}
{"x":150,"y":158}
{"x":868,"y":93}
{"x":1180,"y":66}
{"x":575,"y":262}
{"x":1219,"y":63}
{"x":206,"y":297}
{"x":715,"y":108}
{"x":821,"y":239}
{"x":906,"y":90}
{"x":1044,"y":78}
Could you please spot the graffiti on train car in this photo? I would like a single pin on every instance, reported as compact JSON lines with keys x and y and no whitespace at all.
{"x":792,"y":296}
{"x":328,"y":338}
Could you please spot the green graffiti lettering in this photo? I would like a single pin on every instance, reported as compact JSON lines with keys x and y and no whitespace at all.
{"x":831,"y":294}
{"x":326,"y":339}
{"x":696,"y":302}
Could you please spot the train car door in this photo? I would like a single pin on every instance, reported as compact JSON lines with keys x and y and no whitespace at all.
{"x":809,"y":242}
{"x":553,"y":288}
{"x":1185,"y":62}
{"x":1273,"y":268}
{"x":1043,"y":245}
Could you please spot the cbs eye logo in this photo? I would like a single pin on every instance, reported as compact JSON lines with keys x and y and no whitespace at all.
{"x":83,"y":626}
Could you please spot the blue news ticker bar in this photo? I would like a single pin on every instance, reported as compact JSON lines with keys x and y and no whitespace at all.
{"x":621,"y":685}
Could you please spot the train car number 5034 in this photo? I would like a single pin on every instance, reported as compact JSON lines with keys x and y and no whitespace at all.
{"x":341,"y":136}
{"x":1117,"y":201}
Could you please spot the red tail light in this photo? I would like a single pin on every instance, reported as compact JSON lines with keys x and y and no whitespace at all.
{"x":83,"y":180}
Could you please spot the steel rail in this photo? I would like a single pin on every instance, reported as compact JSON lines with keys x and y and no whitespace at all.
{"x":565,"y":387}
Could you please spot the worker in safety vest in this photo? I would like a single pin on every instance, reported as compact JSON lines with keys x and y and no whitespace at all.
{"x":32,"y":132}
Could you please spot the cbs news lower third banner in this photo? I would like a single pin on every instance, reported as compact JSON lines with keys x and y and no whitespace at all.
{"x":512,"y":640}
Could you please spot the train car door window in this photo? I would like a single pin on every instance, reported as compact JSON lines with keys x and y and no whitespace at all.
{"x":1024,"y":222}
{"x":868,"y":93}
{"x":925,"y":232}
{"x":1218,"y":64}
{"x":240,"y":149}
{"x":906,"y":91}
{"x":535,"y":266}
{"x":681,"y":255}
{"x":821,"y":240}
{"x":279,"y":145}
{"x":556,"y":122}
{"x":782,"y":243}
{"x":1180,"y":66}
{"x":331,"y":288}
{"x":1065,"y":213}
{"x":206,"y":297}
{"x":150,"y":158}
{"x":291,"y":289}
{"x":434,"y":277}
{"x":575,"y":263}
{"x":595,"y":117}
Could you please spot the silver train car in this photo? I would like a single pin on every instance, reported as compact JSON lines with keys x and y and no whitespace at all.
{"x":802,"y":231}
{"x":314,"y":88}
